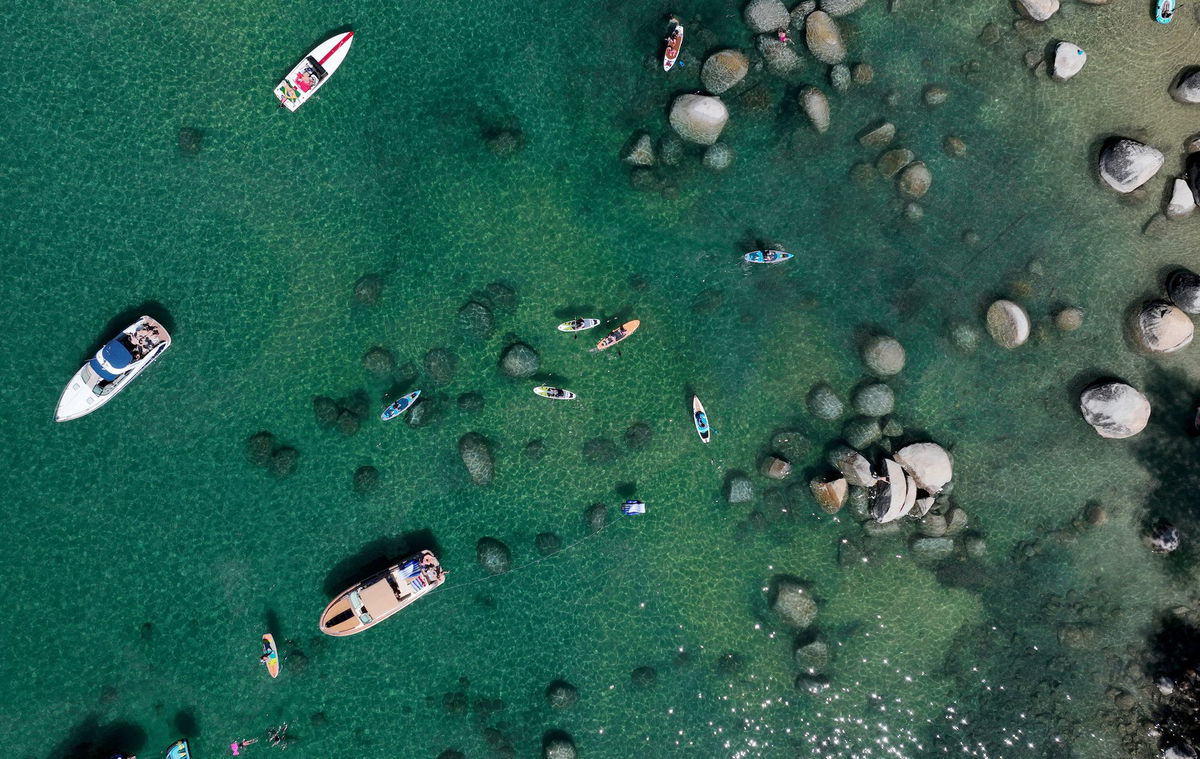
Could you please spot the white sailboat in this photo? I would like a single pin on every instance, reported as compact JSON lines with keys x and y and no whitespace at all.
{"x":313,"y":70}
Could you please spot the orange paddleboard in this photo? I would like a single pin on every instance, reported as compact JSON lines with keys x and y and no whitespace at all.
{"x":618,"y":334}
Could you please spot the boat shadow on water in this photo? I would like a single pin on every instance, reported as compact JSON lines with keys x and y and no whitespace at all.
{"x":151,"y":308}
{"x":91,"y":740}
{"x":377,"y":556}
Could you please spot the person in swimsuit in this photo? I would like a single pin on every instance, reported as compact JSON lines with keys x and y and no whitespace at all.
{"x":267,"y":652}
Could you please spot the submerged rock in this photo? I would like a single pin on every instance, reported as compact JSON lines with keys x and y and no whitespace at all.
{"x":599,"y":450}
{"x":812,"y":658}
{"x":718,"y":157}
{"x":596,"y":517}
{"x":792,"y":602}
{"x":766,"y":16}
{"x":839,"y":78}
{"x":259,"y":447}
{"x":723,"y":70}
{"x":1069,"y":319}
{"x":891,"y":162}
{"x":475,"y":320}
{"x":1008,"y":324}
{"x":1068,"y":60}
{"x":782,"y":58}
{"x":861,"y":432}
{"x":883,"y":356}
{"x":879,"y":136}
{"x":823,"y":38}
{"x":366,"y":479}
{"x":191,"y":140}
{"x":368,"y":289}
{"x":739,"y":490}
{"x":325,"y":410}
{"x":493,"y":556}
{"x":838,"y":8}
{"x":823,"y":403}
{"x":1160,"y":327}
{"x":915,"y":180}
{"x":776,"y":468}
{"x":519,"y":360}
{"x":440,"y":365}
{"x":1183,"y":287}
{"x":379,"y":362}
{"x":935,"y":95}
{"x":476,"y":453}
{"x":638,"y":435}
{"x":1126,"y":165}
{"x":853,"y":466}
{"x":283,"y":461}
{"x":547,"y":543}
{"x":816,"y":107}
{"x":641,"y":153}
{"x":560,"y":695}
{"x":699,"y":118}
{"x":1114,"y":409}
{"x":932,"y":549}
{"x":874,"y":400}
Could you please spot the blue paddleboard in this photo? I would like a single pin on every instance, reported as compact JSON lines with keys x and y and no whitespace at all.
{"x":399,"y":406}
{"x":178,"y":750}
{"x":766,"y":256}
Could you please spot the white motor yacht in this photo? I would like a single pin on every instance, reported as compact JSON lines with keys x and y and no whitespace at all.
{"x":112,"y":368}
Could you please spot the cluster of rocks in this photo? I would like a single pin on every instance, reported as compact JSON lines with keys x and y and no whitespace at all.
{"x":345,"y":415}
{"x":700,"y":118}
{"x":912,"y":176}
{"x":1126,"y":164}
{"x":793,"y":604}
{"x":262,"y":451}
{"x":883,"y":480}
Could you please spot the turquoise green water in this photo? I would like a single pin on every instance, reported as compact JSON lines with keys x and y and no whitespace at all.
{"x":145,"y":555}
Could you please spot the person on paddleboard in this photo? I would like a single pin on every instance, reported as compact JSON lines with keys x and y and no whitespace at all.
{"x":267,"y":652}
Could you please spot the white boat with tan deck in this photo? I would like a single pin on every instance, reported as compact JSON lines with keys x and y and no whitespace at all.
{"x":112,"y":368}
{"x":380,"y":596}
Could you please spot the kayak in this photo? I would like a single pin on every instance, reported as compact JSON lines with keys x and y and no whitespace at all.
{"x":272,"y":653}
{"x":700,"y":419}
{"x":313,"y":70}
{"x":399,"y":406}
{"x":555,"y":393}
{"x":178,"y":750}
{"x":674,"y":43}
{"x":766,"y":256}
{"x":618,"y":334}
{"x":1164,"y":11}
{"x":578,"y":325}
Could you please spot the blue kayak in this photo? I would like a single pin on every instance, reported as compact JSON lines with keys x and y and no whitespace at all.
{"x":1164,"y":11}
{"x":400,"y":406}
{"x":178,"y":750}
{"x":770,"y":256}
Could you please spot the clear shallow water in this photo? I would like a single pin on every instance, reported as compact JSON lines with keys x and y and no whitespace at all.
{"x":253,"y":247}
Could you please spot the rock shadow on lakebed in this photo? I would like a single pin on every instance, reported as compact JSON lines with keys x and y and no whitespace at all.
{"x":377,"y":556}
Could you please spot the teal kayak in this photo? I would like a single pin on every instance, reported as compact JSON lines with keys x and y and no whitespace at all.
{"x":399,"y":406}
{"x":178,"y":750}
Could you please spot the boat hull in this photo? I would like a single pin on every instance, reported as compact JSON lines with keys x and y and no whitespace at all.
{"x":544,"y":391}
{"x":79,"y":397}
{"x":584,"y":324}
{"x":766,"y":256}
{"x":400,"y":405}
{"x":313,"y":70}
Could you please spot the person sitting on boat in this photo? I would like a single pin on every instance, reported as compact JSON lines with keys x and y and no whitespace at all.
{"x":701,"y":421}
{"x":305,"y":80}
{"x":1167,"y":12}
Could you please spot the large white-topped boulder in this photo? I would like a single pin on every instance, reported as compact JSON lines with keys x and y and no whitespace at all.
{"x":1114,"y":409}
{"x":723,"y":70}
{"x":699,"y":118}
{"x":1038,"y":10}
{"x":1126,"y":165}
{"x":1186,"y":88}
{"x":1068,"y":60}
{"x":929,"y":464}
{"x":1161,"y":327}
{"x":766,"y":15}
{"x":1181,"y":203}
